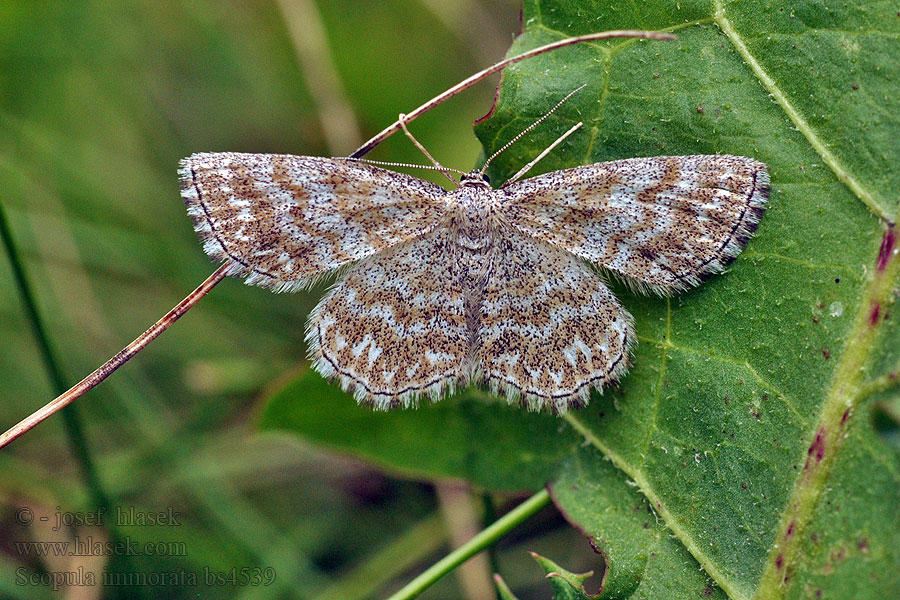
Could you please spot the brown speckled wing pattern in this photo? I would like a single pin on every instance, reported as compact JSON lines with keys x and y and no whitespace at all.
{"x":394,"y":328}
{"x":446,"y":288}
{"x":662,"y":222}
{"x":549,"y":328}
{"x":284,"y":221}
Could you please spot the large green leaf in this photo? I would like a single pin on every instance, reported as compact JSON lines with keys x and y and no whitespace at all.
{"x":468,"y":436}
{"x":738,"y":456}
{"x":565,"y":585}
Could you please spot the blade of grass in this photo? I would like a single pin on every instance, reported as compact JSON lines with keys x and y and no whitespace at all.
{"x":74,"y":429}
{"x":402,"y":553}
{"x":71,"y":419}
{"x":486,"y":538}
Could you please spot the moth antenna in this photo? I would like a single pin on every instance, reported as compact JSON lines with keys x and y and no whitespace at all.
{"x":384,"y":163}
{"x":437,"y":165}
{"x":529,"y":128}
{"x":546,"y":151}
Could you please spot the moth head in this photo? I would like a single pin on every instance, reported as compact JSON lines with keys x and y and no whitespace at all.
{"x":475,"y":179}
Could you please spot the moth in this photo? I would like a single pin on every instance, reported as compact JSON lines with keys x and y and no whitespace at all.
{"x":441,"y":289}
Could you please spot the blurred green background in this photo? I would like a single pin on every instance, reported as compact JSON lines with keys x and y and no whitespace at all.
{"x":98,"y":102}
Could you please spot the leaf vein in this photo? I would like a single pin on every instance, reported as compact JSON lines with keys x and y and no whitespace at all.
{"x":708,"y":564}
{"x":819,"y":145}
{"x":789,"y":402}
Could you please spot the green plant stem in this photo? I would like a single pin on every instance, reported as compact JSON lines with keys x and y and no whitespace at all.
{"x":489,"y":515}
{"x":404,"y":552}
{"x":485,"y":539}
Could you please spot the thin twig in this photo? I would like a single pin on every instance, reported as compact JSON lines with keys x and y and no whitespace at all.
{"x":107,"y":368}
{"x":470,"y":81}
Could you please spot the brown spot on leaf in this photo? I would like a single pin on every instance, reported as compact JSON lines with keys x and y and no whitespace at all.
{"x":874,"y":313}
{"x":826,"y":353}
{"x":779,"y":561}
{"x":817,"y":448}
{"x":888,"y":241}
